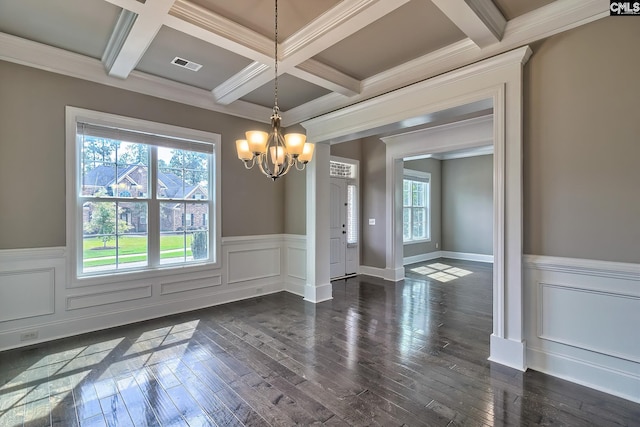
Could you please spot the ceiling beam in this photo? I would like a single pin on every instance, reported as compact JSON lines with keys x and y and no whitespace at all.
{"x":480,"y":20}
{"x":327,"y":77}
{"x":338,"y":23}
{"x":132,"y":36}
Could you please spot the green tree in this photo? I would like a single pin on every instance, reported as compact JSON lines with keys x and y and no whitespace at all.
{"x":193,"y":164}
{"x":97,"y":151}
{"x":133,"y":154}
{"x":105,"y":222}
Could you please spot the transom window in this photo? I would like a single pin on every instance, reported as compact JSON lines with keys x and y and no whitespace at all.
{"x":416,"y":224}
{"x":143,"y":194}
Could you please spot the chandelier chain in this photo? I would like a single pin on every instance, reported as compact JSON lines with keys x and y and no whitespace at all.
{"x":276,"y":108}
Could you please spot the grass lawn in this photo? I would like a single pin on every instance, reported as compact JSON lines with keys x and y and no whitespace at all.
{"x":133,"y":246}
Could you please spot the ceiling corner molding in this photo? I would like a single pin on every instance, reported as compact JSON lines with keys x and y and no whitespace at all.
{"x":480,"y":20}
{"x":118,"y":37}
{"x":250,"y":78}
{"x":327,"y":77}
{"x":37,"y":55}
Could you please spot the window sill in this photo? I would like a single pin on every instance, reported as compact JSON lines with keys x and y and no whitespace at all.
{"x":135,"y":275}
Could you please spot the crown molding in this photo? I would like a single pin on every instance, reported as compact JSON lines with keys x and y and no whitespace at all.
{"x":201,"y":23}
{"x":554,"y":18}
{"x":52,"y":59}
{"x":399,"y":104}
{"x":336,"y":24}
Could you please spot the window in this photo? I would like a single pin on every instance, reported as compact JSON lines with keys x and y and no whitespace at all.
{"x":132,"y":192}
{"x":416,"y":223}
{"x":352,"y":214}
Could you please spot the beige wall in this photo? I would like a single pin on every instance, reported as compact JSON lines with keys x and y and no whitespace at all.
{"x":467,"y":205}
{"x":582,"y":143}
{"x":32,"y":155}
{"x":432,"y":166}
{"x":373,"y":187}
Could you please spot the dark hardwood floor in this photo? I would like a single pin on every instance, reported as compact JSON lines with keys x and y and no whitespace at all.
{"x":379,"y":354}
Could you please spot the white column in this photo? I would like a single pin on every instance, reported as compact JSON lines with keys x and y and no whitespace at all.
{"x":318,"y":286}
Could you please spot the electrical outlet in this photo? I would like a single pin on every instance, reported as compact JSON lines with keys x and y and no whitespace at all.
{"x":437,"y":245}
{"x":28,"y":336}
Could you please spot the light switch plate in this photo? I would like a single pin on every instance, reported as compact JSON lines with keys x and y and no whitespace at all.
{"x":372,"y":221}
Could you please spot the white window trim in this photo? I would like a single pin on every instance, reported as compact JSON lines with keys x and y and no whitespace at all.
{"x":426,"y":177}
{"x":74,"y":204}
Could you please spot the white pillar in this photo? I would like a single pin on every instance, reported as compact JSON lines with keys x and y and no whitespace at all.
{"x":318,"y":285}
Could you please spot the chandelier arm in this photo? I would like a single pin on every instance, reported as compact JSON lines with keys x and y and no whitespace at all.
{"x":304,"y":165}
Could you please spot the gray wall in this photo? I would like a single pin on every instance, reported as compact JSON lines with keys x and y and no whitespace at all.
{"x":467,"y":205}
{"x":32,"y":155}
{"x":373,"y":187}
{"x":582,"y":144}
{"x":295,"y":209}
{"x":432,"y":166}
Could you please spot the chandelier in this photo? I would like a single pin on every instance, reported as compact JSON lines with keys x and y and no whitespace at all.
{"x":274,"y":152}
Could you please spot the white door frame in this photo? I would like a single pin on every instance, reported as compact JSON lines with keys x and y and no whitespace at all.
{"x":356,"y":181}
{"x":500,"y":80}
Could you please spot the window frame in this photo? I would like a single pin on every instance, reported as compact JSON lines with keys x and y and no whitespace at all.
{"x":74,"y":203}
{"x":425,"y":177}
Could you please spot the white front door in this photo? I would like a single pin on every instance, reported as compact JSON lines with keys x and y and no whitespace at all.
{"x":338,"y":226}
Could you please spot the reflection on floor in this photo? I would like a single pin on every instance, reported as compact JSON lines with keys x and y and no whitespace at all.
{"x":378,"y":354}
{"x":440,"y":272}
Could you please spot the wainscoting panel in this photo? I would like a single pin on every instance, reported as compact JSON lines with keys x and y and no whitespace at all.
{"x":295,"y":263}
{"x":581,"y":322}
{"x":94,"y":299}
{"x":189,"y":285}
{"x":27,"y":293}
{"x":586,"y":319}
{"x":252,"y":258}
{"x":37,"y":304}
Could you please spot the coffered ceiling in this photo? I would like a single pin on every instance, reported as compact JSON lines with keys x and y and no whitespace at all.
{"x":333,"y":53}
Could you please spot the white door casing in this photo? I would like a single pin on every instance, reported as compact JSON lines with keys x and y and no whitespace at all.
{"x":337,"y":226}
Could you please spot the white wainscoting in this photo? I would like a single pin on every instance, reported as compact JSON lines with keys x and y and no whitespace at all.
{"x":582,"y":322}
{"x":38,"y":304}
{"x":295,"y":265}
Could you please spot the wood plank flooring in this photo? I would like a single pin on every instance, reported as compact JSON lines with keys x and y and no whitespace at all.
{"x":412,"y":353}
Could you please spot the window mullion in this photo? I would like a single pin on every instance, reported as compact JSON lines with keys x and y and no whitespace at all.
{"x":153,"y":217}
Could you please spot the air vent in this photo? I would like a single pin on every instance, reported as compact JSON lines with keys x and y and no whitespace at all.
{"x":190,"y":65}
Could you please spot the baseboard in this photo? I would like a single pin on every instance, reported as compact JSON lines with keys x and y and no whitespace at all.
{"x":65,"y":328}
{"x":421,"y":257}
{"x":390,"y":274}
{"x":317,"y":294}
{"x":508,"y":352}
{"x":464,"y":256}
{"x":619,"y":383}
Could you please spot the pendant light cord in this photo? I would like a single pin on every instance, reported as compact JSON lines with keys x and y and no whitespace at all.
{"x":276,"y":108}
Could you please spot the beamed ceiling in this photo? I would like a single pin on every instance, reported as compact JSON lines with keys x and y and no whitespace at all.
{"x":333,"y":53}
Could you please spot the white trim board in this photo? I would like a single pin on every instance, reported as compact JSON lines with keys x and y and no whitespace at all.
{"x":498,"y":80}
{"x":464,"y":256}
